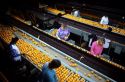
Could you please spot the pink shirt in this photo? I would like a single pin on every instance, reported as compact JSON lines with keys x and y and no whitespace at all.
{"x":96,"y":49}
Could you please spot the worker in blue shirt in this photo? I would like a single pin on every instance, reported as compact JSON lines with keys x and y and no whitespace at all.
{"x":48,"y":73}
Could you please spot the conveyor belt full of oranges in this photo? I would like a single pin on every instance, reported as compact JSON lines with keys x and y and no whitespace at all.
{"x":104,"y":59}
{"x":88,"y":22}
{"x":37,"y":57}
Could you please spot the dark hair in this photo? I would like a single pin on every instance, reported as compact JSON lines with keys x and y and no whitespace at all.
{"x":74,"y":10}
{"x":94,"y":38}
{"x":55,"y":63}
{"x":109,"y":29}
{"x":14,"y":40}
{"x":59,"y":15}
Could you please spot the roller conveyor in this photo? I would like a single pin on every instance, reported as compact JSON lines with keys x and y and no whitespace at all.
{"x":81,"y":68}
{"x":85,"y":73}
{"x":84,"y":27}
{"x":54,"y":53}
{"x":95,"y":63}
{"x":88,"y":22}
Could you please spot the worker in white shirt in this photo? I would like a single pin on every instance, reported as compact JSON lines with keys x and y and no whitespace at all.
{"x":107,"y":42}
{"x":104,"y":20}
{"x":76,"y":13}
{"x":106,"y":45}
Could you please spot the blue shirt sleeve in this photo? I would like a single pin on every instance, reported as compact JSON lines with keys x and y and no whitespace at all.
{"x":52,"y":77}
{"x":48,"y":75}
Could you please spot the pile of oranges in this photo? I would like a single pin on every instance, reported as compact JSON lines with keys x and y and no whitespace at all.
{"x":37,"y":57}
{"x":6,"y":33}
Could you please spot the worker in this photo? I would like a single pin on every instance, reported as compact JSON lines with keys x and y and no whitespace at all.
{"x":63,"y":32}
{"x":14,"y":50}
{"x":97,"y":47}
{"x":48,"y":73}
{"x":104,"y":20}
{"x":76,"y":13}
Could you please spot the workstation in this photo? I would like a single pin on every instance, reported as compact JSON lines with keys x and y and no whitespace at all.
{"x":40,"y":45}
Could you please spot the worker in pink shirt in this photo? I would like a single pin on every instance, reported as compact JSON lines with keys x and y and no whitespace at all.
{"x":97,"y":47}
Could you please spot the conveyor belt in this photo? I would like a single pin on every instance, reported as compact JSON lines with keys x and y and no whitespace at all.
{"x":97,"y":64}
{"x":51,"y":52}
{"x":98,"y":31}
